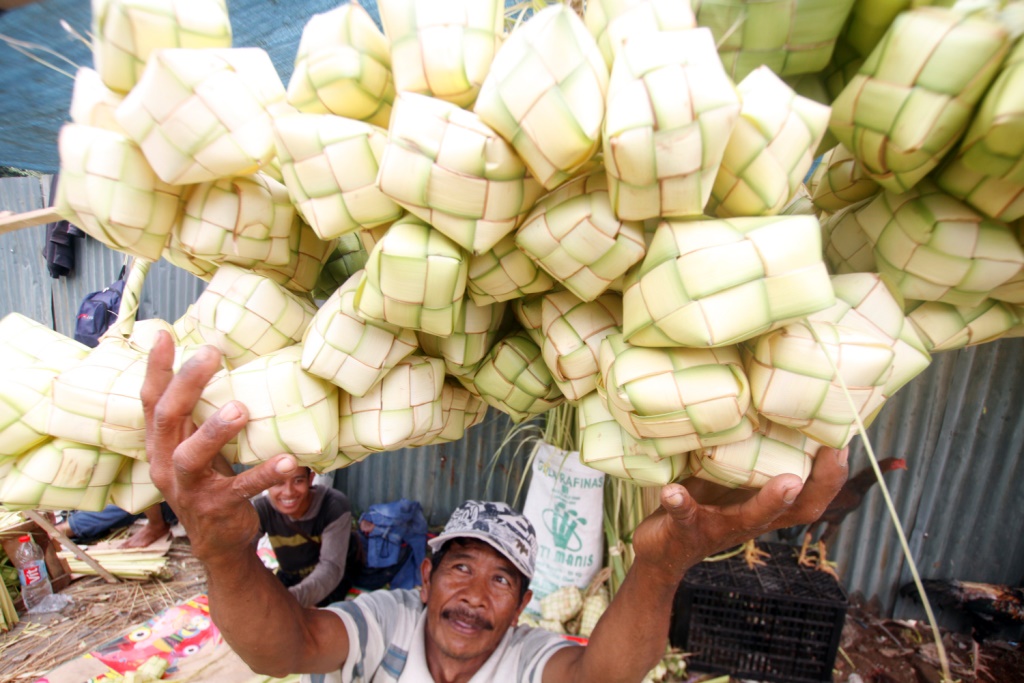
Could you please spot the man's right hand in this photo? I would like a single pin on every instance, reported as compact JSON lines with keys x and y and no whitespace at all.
{"x":214,"y":509}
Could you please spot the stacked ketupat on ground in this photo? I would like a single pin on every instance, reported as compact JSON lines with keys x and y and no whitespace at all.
{"x":453,"y":210}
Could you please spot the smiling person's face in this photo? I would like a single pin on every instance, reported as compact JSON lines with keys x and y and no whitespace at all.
{"x":293,"y":496}
{"x":472,"y":599}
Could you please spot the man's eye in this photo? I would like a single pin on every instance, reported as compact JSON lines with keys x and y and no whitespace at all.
{"x":504,"y":580}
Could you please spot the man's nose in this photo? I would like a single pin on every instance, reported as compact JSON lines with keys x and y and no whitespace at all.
{"x":475,"y":590}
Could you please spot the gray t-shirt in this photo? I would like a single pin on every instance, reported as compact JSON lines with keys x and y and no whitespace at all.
{"x":386,"y":631}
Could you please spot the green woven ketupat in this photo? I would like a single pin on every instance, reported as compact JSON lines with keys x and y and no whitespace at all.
{"x":913,"y":97}
{"x":460,"y":410}
{"x":341,"y":347}
{"x":475,"y":332}
{"x":545,"y":94}
{"x":25,"y":406}
{"x":343,"y":67}
{"x":793,"y":383}
{"x":126,"y":32}
{"x":133,"y":490}
{"x":514,"y":379}
{"x":699,"y":396}
{"x":718,"y":282}
{"x":841,"y":181}
{"x":442,"y":49}
{"x":573,"y":234}
{"x":571,"y":333}
{"x":607,"y":447}
{"x":444,"y":165}
{"x":615,"y":22}
{"x":330,"y":165}
{"x":788,"y":36}
{"x":504,"y":272}
{"x":61,"y":475}
{"x":770,"y":451}
{"x":935,"y":248}
{"x":944,"y":327}
{"x":415,"y":278}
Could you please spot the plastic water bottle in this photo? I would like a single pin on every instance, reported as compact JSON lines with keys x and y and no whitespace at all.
{"x":35,"y":581}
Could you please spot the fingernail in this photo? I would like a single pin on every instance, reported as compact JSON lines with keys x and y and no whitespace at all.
{"x":675,"y":499}
{"x":284,"y":465}
{"x":844,"y":456}
{"x":230,"y":412}
{"x":790,"y":494}
{"x":206,"y":353}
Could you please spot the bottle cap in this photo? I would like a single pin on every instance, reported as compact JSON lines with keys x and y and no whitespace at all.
{"x":25,"y":539}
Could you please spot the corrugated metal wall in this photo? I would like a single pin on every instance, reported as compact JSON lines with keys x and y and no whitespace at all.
{"x":958,"y":425}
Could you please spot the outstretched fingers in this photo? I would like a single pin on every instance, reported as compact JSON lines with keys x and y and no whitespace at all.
{"x":827,"y":477}
{"x":262,"y":477}
{"x":194,"y":457}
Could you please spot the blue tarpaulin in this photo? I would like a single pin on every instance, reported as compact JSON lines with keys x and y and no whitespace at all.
{"x":34,"y":99}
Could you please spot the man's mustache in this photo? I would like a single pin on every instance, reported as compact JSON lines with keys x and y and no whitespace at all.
{"x":468,"y":617}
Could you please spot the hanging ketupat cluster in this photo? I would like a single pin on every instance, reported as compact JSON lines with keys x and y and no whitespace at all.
{"x":630,"y":181}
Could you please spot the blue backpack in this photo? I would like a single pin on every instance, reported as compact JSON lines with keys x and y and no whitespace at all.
{"x":98,"y":312}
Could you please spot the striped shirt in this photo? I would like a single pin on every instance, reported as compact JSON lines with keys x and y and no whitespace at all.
{"x":387,"y":644}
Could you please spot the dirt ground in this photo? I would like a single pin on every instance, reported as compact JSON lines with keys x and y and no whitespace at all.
{"x":874,"y":649}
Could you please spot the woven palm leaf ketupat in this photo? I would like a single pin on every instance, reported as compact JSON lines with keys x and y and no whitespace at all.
{"x":199,"y":115}
{"x":615,"y":22}
{"x":789,"y":36}
{"x":442,"y":48}
{"x":403,"y":407}
{"x":699,"y":396}
{"x":93,"y":103}
{"x":343,"y":67}
{"x":770,"y":149}
{"x":792,"y":381}
{"x":671,"y":108}
{"x":126,"y":32}
{"x":770,"y":451}
{"x":133,"y":490}
{"x":415,"y":278}
{"x":997,"y":198}
{"x":936,"y":248}
{"x":241,"y":220}
{"x":341,"y":347}
{"x":514,"y":379}
{"x":697,"y":276}
{"x":290,"y":410}
{"x":460,"y":410}
{"x":865,"y":302}
{"x":572,"y":331}
{"x":573,"y":234}
{"x":347,"y":258}
{"x":245,"y":315}
{"x":97,"y":401}
{"x":529,"y":311}
{"x":944,"y":327}
{"x":504,"y":272}
{"x":475,"y":332}
{"x":61,"y":475}
{"x":447,"y":167}
{"x":329,"y":165}
{"x":24,"y":341}
{"x":25,"y":405}
{"x":607,"y":447}
{"x":913,"y":97}
{"x":847,"y":247}
{"x":842,"y":182}
{"x":109,"y":190}
{"x":307,"y":255}
{"x":545,"y":94}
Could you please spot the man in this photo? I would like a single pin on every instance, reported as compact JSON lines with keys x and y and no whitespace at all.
{"x":309,"y":528}
{"x":473,"y":596}
{"x":88,"y":526}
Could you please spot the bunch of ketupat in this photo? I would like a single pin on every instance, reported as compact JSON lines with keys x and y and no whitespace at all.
{"x":631,"y":181}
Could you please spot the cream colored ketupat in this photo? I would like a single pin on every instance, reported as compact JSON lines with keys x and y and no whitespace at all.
{"x":343,"y":67}
{"x":341,"y":347}
{"x":614,"y":22}
{"x":330,"y":165}
{"x":503,"y":273}
{"x":571,"y":334}
{"x":61,"y":475}
{"x":545,"y":94}
{"x":126,"y":32}
{"x":944,"y":327}
{"x":671,"y":108}
{"x":133,"y":490}
{"x":24,"y":341}
{"x":475,"y":332}
{"x":770,"y":451}
{"x":444,"y":165}
{"x":199,"y":115}
{"x":698,"y":276}
{"x":93,"y":103}
{"x":460,"y":410}
{"x":842,"y":181}
{"x":514,"y":379}
{"x":573,"y":234}
{"x":770,"y":149}
{"x":442,"y":49}
{"x":913,"y":97}
{"x":25,"y":405}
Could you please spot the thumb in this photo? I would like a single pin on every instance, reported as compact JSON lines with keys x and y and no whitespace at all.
{"x":263,"y":476}
{"x":678,"y":502}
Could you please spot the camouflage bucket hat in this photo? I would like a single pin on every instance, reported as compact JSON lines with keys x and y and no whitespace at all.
{"x":496,"y":524}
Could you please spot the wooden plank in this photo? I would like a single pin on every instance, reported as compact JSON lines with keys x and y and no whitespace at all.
{"x":9,"y":222}
{"x":70,"y":545}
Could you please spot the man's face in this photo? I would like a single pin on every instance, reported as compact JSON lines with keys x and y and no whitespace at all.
{"x":472,"y":599}
{"x":293,"y":496}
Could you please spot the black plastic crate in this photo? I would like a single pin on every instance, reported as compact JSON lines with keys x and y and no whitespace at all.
{"x":778,"y":622}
